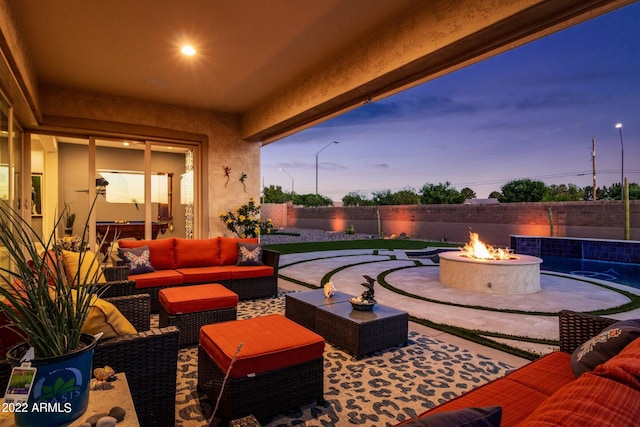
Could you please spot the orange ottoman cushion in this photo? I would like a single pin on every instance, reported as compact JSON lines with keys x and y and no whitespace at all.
{"x":269,"y":342}
{"x":192,"y":299}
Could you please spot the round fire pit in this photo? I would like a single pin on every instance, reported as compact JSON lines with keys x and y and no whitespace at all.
{"x":520,"y":274}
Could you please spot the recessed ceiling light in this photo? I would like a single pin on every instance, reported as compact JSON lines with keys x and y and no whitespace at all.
{"x":126,"y":144}
{"x":188,"y":50}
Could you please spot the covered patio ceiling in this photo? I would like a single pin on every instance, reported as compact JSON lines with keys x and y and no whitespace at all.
{"x":282,"y":65}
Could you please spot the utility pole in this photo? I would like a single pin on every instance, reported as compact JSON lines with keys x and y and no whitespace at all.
{"x":593,"y":162}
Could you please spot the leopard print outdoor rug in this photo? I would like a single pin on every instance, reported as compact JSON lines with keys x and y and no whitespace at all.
{"x":380,"y":389}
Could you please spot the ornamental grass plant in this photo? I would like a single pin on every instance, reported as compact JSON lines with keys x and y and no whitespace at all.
{"x":46,"y":308}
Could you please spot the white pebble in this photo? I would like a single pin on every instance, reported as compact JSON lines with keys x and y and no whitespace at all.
{"x":106,"y":422}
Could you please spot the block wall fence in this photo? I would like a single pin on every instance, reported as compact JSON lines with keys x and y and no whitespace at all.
{"x":452,"y":223}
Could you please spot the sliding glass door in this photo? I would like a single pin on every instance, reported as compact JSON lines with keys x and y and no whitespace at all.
{"x":144,"y":189}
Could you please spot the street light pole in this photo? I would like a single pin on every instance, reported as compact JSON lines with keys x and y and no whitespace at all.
{"x":325,"y":147}
{"x":282,"y":170}
{"x":619,"y":126}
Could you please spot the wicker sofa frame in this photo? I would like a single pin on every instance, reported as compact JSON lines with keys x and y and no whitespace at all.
{"x":262,"y":395}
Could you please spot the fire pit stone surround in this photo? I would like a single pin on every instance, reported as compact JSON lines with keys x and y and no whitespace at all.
{"x":481,"y":268}
{"x":519,"y":274}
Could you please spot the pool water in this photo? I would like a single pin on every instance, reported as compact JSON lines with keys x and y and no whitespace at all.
{"x":617,"y":272}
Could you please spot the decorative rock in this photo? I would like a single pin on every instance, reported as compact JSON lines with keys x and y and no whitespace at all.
{"x":93,"y":420}
{"x":106,"y":422}
{"x":118,"y":413}
{"x":84,"y":424}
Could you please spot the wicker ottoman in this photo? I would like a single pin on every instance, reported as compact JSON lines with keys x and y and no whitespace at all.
{"x":190,"y":307}
{"x":278,"y":367}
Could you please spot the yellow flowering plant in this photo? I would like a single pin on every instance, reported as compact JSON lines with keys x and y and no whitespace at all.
{"x":245,"y":221}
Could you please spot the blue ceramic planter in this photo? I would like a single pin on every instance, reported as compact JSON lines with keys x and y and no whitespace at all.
{"x":60,"y":391}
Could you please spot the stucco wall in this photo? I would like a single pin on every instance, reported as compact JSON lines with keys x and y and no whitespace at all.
{"x":221,"y":138}
{"x":494,"y":223}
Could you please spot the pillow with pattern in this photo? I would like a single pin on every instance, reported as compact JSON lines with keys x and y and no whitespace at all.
{"x":137,"y":259}
{"x":604,"y":346}
{"x":249,"y":254}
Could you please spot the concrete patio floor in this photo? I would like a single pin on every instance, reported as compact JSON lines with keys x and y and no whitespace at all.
{"x":420,"y":277}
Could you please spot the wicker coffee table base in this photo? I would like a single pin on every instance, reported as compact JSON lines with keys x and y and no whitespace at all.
{"x":356,"y":332}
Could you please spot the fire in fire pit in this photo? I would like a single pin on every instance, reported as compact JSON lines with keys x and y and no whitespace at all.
{"x":477,"y":249}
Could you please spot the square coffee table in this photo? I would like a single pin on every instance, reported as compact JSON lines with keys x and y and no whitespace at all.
{"x":356,"y":332}
{"x":301,"y":306}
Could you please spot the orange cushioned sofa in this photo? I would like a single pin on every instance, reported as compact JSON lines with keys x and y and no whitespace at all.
{"x":177,"y":262}
{"x":546,"y":392}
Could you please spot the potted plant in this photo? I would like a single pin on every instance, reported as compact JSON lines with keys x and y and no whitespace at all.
{"x":69,"y":219}
{"x":49,"y":313}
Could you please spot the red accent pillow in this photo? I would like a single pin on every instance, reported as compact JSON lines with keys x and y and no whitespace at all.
{"x":197,"y":252}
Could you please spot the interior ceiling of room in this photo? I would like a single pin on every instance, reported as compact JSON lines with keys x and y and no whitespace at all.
{"x":246,"y":49}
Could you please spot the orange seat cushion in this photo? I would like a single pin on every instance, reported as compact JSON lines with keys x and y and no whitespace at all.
{"x":229,"y":249}
{"x":250,"y":271}
{"x":197,"y":252}
{"x":546,"y":374}
{"x":158,"y":278}
{"x":205,"y":274}
{"x":269,"y":342}
{"x":196,"y":298}
{"x":517,"y":401}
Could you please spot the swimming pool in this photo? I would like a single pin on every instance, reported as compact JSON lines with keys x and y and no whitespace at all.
{"x":617,"y":272}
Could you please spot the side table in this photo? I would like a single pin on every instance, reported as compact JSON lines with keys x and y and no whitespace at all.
{"x":100,"y":401}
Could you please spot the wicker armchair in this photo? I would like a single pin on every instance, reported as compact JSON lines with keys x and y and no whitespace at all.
{"x":149,"y":358}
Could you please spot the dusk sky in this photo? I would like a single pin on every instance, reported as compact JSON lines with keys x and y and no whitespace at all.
{"x":527,"y":113}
